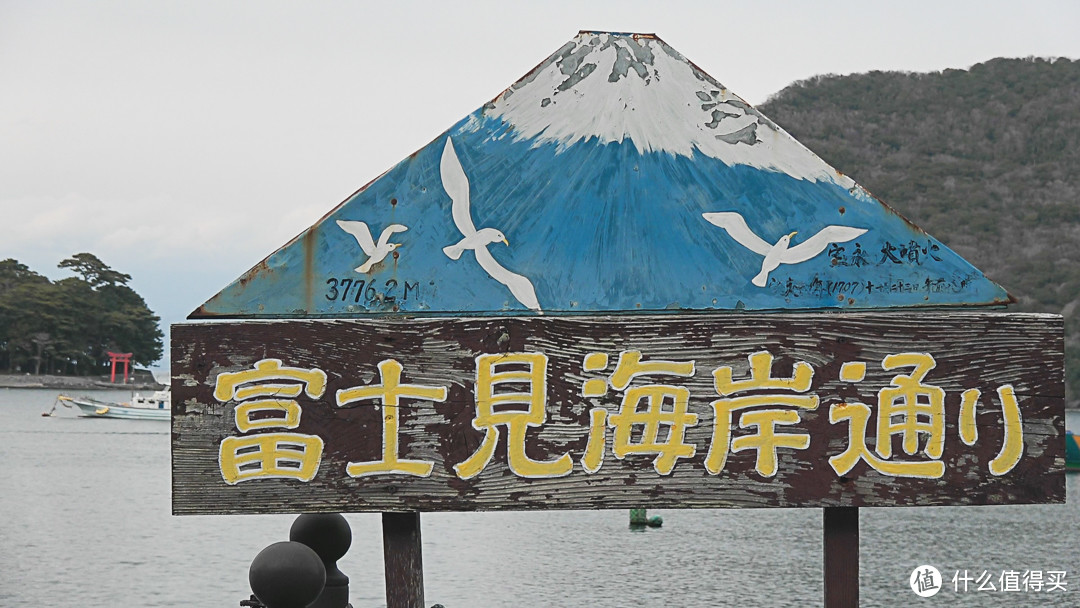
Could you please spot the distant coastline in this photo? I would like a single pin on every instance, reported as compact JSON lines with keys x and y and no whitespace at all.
{"x":76,"y":382}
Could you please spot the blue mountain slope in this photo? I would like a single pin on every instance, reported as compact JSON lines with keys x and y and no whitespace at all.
{"x":609,"y":216}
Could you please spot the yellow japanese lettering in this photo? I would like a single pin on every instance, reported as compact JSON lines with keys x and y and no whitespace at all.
{"x":649,"y":420}
{"x":969,"y":431}
{"x":853,"y":371}
{"x":761,"y":377}
{"x":515,"y":369}
{"x":228,"y":384}
{"x":594,"y":450}
{"x":1013,"y":445}
{"x":266,"y":404}
{"x":858,"y":414}
{"x":766,"y":440}
{"x":284,"y":414}
{"x":389,"y":393}
{"x":637,"y":429}
{"x":920,"y":406}
{"x":272,"y":455}
{"x":631,"y":366}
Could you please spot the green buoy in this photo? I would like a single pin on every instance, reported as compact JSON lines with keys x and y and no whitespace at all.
{"x":639,"y":519}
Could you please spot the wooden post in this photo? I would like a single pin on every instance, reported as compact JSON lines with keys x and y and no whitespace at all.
{"x":841,"y":535}
{"x":403,"y":560}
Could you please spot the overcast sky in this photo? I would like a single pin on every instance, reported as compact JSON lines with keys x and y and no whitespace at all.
{"x":182,"y":142}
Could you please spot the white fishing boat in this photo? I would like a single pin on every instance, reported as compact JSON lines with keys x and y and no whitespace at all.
{"x":157,"y":406}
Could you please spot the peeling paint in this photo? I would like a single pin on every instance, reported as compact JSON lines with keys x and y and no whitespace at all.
{"x":309,"y":267}
{"x":746,"y":135}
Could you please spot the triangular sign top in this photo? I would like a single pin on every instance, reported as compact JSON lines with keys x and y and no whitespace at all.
{"x":614,"y":177}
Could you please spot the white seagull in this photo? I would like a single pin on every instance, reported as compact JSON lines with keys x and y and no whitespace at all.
{"x":456,"y":184}
{"x":375,"y":251}
{"x":779,"y":253}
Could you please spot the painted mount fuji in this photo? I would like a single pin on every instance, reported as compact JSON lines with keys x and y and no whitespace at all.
{"x":616,"y":176}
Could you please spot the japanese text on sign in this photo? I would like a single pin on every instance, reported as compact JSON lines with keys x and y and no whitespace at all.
{"x":650,"y":415}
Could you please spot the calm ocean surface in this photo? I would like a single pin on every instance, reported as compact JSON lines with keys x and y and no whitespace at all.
{"x":85,"y":521}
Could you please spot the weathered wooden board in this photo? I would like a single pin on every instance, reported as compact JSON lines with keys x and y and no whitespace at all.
{"x":551,"y":437}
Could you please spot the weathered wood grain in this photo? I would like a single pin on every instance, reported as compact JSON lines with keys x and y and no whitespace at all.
{"x":982,"y":350}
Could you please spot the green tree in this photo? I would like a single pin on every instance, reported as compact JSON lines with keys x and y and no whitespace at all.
{"x":129,"y":324}
{"x":17,"y":284}
{"x":69,"y":326}
{"x":30,"y":315}
{"x":112,"y":317}
{"x":985,"y":159}
{"x":94,"y":271}
{"x":12,"y":274}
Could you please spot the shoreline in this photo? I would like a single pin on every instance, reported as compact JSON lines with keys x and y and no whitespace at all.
{"x":45,"y":381}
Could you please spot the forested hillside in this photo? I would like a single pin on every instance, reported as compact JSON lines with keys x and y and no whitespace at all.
{"x":985,"y":159}
{"x":69,"y":326}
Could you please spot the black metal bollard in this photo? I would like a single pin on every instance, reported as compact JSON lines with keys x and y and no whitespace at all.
{"x":286,"y":575}
{"x":329,"y":535}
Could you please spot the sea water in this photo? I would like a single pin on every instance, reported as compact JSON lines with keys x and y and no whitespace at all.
{"x":85,"y":520}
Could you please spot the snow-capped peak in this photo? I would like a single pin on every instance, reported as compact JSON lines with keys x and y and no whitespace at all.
{"x":616,"y":87}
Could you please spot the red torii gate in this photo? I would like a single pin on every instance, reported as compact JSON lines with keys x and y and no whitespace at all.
{"x":115,"y":358}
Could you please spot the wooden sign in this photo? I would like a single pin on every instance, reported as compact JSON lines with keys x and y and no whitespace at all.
{"x":583,"y":412}
{"x":619,"y":203}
